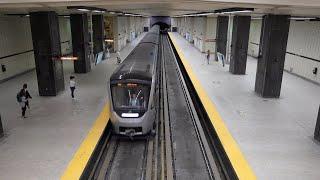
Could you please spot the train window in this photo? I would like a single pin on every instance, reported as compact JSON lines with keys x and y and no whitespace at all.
{"x":130,"y":96}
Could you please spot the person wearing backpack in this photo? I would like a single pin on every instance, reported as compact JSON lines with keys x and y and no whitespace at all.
{"x":28,"y":96}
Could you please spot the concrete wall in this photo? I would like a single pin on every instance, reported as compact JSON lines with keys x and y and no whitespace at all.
{"x":200,"y":31}
{"x":15,"y":38}
{"x":16,"y":42}
{"x":303,"y":40}
{"x":254,"y":38}
{"x":211,"y":30}
{"x":127,"y":28}
{"x":65,"y":35}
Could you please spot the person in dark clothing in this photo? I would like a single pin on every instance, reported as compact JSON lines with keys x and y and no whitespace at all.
{"x":208,"y":56}
{"x":22,"y":102}
{"x":27,"y":95}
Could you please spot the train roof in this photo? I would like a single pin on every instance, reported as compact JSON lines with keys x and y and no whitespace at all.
{"x":139,"y":64}
{"x":150,"y":38}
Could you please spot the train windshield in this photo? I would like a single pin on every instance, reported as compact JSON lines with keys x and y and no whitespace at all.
{"x":130,"y":96}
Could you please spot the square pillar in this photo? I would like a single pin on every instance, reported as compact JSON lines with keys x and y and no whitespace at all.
{"x":47,"y":47}
{"x":222,"y":34}
{"x":98,"y":33}
{"x":239,"y":44}
{"x":80,"y":42}
{"x":272,"y":51}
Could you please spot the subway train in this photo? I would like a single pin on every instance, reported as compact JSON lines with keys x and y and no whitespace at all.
{"x":132,"y":88}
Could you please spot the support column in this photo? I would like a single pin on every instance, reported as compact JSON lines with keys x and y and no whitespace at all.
{"x":98,"y":33}
{"x":272,"y":50}
{"x":239,"y":45}
{"x":46,"y":45}
{"x":317,"y":130}
{"x":222,"y":34}
{"x":80,"y":42}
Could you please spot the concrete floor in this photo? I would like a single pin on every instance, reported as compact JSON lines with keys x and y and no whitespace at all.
{"x":41,"y":146}
{"x":275,"y":135}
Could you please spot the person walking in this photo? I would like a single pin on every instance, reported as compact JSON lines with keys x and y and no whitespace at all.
{"x":22,"y":102}
{"x":118,"y":57}
{"x":28,"y":96}
{"x":72,"y":85}
{"x":208,"y":56}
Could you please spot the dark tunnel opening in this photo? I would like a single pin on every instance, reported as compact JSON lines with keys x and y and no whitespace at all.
{"x":163,"y":21}
{"x":163,"y":26}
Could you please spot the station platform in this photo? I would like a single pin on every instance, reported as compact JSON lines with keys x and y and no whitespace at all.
{"x":42,"y":145}
{"x":274,"y":135}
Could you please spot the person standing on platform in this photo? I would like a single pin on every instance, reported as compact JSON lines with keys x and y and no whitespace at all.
{"x":28,"y":96}
{"x":118,"y":57}
{"x":72,"y":85}
{"x":208,"y":56}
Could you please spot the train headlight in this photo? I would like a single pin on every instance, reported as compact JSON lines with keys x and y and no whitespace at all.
{"x":130,"y":115}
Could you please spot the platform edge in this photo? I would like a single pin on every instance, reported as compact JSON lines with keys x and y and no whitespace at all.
{"x":80,"y":159}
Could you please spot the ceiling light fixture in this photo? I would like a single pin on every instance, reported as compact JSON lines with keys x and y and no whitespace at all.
{"x":303,"y":18}
{"x":205,"y":14}
{"x":87,"y":9}
{"x":234,"y":10}
{"x":84,"y":10}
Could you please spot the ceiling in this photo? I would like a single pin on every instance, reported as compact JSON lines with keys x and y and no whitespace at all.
{"x":166,"y":7}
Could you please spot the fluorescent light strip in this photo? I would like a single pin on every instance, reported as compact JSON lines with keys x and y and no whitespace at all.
{"x":84,"y":10}
{"x":244,"y":11}
{"x":302,"y":18}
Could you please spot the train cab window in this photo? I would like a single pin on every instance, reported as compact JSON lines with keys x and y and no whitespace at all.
{"x":130,"y":96}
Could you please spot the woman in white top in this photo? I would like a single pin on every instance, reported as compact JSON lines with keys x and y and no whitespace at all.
{"x":72,"y":85}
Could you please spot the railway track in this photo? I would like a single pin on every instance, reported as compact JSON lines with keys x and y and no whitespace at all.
{"x":178,"y":150}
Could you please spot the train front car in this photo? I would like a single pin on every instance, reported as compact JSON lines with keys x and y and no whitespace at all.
{"x":132,"y":88}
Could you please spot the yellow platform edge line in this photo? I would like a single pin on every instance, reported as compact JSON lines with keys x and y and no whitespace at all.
{"x":236,"y":157}
{"x":81,"y":157}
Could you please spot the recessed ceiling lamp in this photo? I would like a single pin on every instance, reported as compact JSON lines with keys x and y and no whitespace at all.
{"x":233,"y":10}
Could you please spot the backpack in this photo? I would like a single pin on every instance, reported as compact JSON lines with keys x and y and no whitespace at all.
{"x":19,"y":99}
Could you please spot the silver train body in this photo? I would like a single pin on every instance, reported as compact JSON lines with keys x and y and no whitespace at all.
{"x":132,"y":88}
